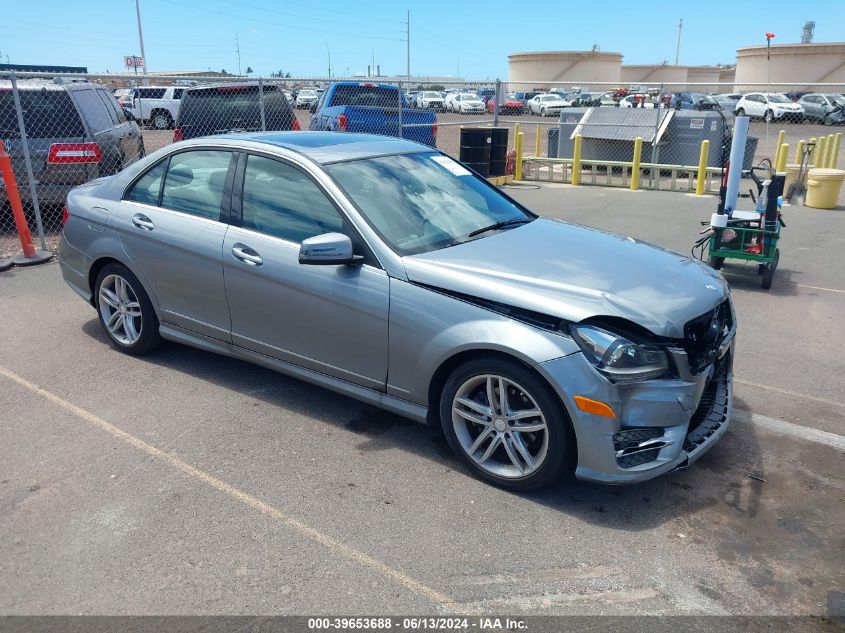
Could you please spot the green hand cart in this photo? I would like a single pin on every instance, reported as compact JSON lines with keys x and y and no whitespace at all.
{"x":743,"y":242}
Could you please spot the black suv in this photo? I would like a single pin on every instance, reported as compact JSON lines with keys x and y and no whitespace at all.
{"x":223,"y":108}
{"x":76,"y":132}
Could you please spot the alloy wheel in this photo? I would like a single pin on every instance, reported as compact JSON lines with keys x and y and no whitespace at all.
{"x":120,"y":310}
{"x":500,"y":426}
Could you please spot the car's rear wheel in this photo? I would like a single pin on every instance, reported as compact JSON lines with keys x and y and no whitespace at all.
{"x":506,"y":424}
{"x":125,"y":310}
{"x":162,"y":120}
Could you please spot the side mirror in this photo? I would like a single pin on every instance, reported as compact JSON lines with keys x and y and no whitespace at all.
{"x":129,"y":114}
{"x":328,"y":249}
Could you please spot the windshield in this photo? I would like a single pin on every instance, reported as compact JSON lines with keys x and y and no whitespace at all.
{"x":778,"y":99}
{"x":469,"y":97}
{"x":431,"y":95}
{"x":423,"y":202}
{"x":308,"y":93}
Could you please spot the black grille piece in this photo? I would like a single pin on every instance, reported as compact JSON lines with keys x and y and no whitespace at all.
{"x":635,"y":459}
{"x":630,"y":438}
{"x":712,"y":411}
{"x":703,"y":336}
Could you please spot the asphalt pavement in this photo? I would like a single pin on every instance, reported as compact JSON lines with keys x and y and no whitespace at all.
{"x":187,"y":483}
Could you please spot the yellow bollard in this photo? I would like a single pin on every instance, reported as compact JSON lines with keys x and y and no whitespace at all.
{"x":781,"y":136}
{"x":537,"y":145}
{"x":820,"y":149}
{"x":702,"y":168}
{"x":780,"y":166}
{"x":517,"y":169}
{"x":828,"y":151}
{"x":576,"y":161}
{"x":799,"y":150}
{"x":834,"y":155}
{"x":515,"y":132}
{"x":635,"y":167}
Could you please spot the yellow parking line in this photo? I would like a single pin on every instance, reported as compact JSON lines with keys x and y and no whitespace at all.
{"x":305,"y":530}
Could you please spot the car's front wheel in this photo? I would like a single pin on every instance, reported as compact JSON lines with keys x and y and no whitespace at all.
{"x":125,"y":310}
{"x":506,"y":424}
{"x":769,"y":116}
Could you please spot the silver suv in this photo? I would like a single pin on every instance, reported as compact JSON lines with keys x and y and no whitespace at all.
{"x":76,"y":132}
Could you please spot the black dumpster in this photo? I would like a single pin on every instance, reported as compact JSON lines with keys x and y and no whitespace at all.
{"x":499,"y":151}
{"x":475,"y":148}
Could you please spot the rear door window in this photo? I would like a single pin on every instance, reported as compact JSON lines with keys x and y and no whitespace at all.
{"x":93,"y":110}
{"x":46,"y":114}
{"x":115,"y":112}
{"x":194,"y":182}
{"x":177,"y":93}
{"x":146,"y":189}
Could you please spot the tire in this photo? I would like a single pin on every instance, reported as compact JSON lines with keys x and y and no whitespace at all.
{"x":716,"y":262}
{"x":769,"y":116}
{"x":498,"y":452}
{"x":827,"y":120}
{"x":769,"y":273}
{"x":542,"y":112}
{"x":739,"y":112}
{"x":136,"y":331}
{"x":161,"y":120}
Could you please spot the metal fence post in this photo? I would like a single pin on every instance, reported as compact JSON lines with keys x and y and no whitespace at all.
{"x":261,"y":104}
{"x":401,"y":103}
{"x":33,"y":190}
{"x":497,"y":104}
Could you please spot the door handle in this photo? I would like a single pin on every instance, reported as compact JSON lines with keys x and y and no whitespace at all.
{"x":245,"y":254}
{"x":141,"y":221}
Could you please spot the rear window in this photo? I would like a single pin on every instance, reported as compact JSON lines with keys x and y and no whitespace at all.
{"x":234,"y":107}
{"x":379,"y":96}
{"x":46,"y":114}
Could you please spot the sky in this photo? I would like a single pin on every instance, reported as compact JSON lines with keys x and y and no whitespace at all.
{"x":448,"y":37}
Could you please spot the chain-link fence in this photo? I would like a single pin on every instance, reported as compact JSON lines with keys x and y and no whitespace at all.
{"x":62,"y":131}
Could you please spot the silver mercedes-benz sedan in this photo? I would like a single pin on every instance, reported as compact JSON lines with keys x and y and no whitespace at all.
{"x":387,"y":271}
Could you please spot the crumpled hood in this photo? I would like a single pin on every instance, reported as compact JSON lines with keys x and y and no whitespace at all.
{"x":574,"y":272}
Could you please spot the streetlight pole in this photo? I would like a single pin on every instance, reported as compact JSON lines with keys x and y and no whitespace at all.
{"x":141,"y":34}
{"x":678,"y":47}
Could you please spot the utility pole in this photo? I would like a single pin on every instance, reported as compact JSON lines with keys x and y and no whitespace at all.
{"x":407,"y":24}
{"x":238,"y":51}
{"x":141,"y":34}
{"x":678,"y":47}
{"x":328,"y":50}
{"x":374,"y":61}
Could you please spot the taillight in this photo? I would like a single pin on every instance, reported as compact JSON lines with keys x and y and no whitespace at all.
{"x":342,"y":123}
{"x":434,"y":131}
{"x":65,"y":216}
{"x":295,"y":125}
{"x":177,"y":134}
{"x":65,"y":153}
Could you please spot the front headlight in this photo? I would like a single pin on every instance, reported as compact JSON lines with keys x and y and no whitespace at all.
{"x":618,"y":358}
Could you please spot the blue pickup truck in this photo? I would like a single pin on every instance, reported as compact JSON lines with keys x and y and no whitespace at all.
{"x":374,"y":109}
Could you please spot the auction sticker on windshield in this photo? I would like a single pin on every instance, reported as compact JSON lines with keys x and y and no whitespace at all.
{"x":451,"y":165}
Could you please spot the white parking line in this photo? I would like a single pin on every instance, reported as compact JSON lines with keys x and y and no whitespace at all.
{"x":790,"y":393}
{"x":792,"y":430}
{"x":820,"y":288}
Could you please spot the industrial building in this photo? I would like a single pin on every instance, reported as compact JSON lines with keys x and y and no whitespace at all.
{"x":795,"y":65}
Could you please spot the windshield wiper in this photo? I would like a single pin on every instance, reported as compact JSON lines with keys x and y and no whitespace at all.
{"x":499,"y":225}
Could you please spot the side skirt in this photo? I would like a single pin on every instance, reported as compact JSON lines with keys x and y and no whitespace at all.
{"x":406,"y":409}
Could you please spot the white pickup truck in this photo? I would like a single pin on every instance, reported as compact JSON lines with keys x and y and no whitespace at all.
{"x":156,"y":105}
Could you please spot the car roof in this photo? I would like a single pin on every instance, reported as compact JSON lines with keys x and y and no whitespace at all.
{"x":325,"y":147}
